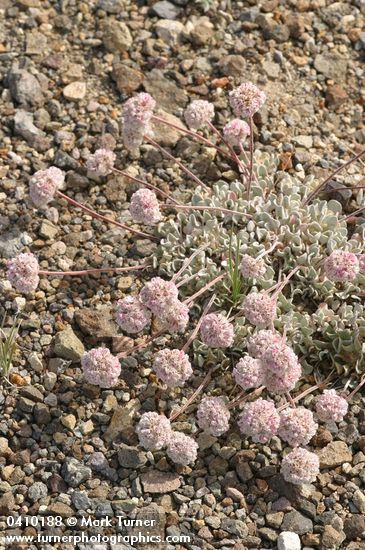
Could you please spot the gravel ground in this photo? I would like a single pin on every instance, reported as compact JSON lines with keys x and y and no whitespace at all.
{"x":67,"y":448}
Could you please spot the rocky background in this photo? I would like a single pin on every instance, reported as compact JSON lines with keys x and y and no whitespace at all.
{"x":66,"y":66}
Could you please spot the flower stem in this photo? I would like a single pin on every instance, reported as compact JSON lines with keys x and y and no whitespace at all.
{"x":251,"y":159}
{"x":191,"y":299}
{"x":241,"y":398}
{"x":145,"y":183}
{"x":354,"y":213}
{"x":209,"y":208}
{"x":233,"y":155}
{"x":196,"y":329}
{"x":178,"y":162}
{"x":98,"y":270}
{"x":187,"y":262}
{"x":324,"y":183}
{"x":105,"y":218}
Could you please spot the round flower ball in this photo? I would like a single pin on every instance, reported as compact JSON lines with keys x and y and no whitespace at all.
{"x":213,"y":416}
{"x":297,"y":426}
{"x":252,"y":267}
{"x":136,"y":117}
{"x":175,"y":318}
{"x":260,"y":341}
{"x":101,"y":163}
{"x":246,"y":100}
{"x":216,"y":331}
{"x":331,"y":407}
{"x":131,"y":315}
{"x":198,"y":114}
{"x":158,"y":295}
{"x":153,"y":431}
{"x":279,"y":358}
{"x":282,"y":382}
{"x":144,"y":207}
{"x":182,"y":449}
{"x":341,"y":266}
{"x":300,"y":466}
{"x":100,"y":367}
{"x":259,"y":309}
{"x":235,"y":132}
{"x":44,"y":184}
{"x":249,"y":373}
{"x":260,"y":420}
{"x":172,"y":366}
{"x":23,"y":272}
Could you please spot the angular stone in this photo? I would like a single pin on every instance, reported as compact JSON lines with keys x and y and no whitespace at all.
{"x":74,"y":472}
{"x":7,"y":504}
{"x":68,"y":346}
{"x":169,"y":31}
{"x":97,"y":322}
{"x":331,"y":65}
{"x":332,"y":538}
{"x":37,"y":491}
{"x":336,"y":96}
{"x":165,"y":10}
{"x":295,"y":521}
{"x":354,"y":526}
{"x":155,"y":481}
{"x":60,"y":509}
{"x":122,"y":419}
{"x":25,"y":88}
{"x":288,"y":541}
{"x":232,"y":65}
{"x":131,"y":457}
{"x":75,"y":91}
{"x":165,"y":135}
{"x":359,"y":500}
{"x":166,"y":93}
{"x":35,"y":43}
{"x":334,"y":454}
{"x":127,"y":78}
{"x":24,"y":127}
{"x":32,"y":393}
{"x":116,"y":36}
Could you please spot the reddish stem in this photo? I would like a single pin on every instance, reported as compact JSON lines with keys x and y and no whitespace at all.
{"x":251,"y":159}
{"x":145,"y":183}
{"x":97,"y":270}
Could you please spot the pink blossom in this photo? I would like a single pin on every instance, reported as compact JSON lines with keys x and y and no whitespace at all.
{"x":331,"y":407}
{"x":153,"y":430}
{"x":198,"y":113}
{"x":44,"y":184}
{"x":259,"y":309}
{"x":282,"y":382}
{"x":101,"y":162}
{"x":213,"y":416}
{"x":246,"y":100}
{"x":173,"y":367}
{"x":252,"y":267}
{"x":300,"y":466}
{"x":136,"y":116}
{"x":182,"y":449}
{"x":101,"y":367}
{"x":297,"y":426}
{"x":279,"y":358}
{"x":260,"y":420}
{"x":342,"y":266}
{"x":235,"y":132}
{"x":23,"y":272}
{"x":260,"y":341}
{"x":175,"y":317}
{"x":216,"y":331}
{"x":144,"y":207}
{"x":158,"y":295}
{"x":249,"y":373}
{"x":131,"y":315}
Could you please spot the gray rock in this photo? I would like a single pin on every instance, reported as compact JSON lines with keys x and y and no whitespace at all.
{"x":24,"y":127}
{"x":334,"y":454}
{"x":296,"y":522}
{"x":110,"y":6}
{"x":131,"y":457}
{"x":166,"y":93}
{"x":98,"y":462}
{"x":165,"y":10}
{"x":303,"y":141}
{"x":37,"y":491}
{"x":7,"y":503}
{"x":30,"y":392}
{"x":80,"y":500}
{"x":271,"y":69}
{"x":75,"y":91}
{"x":169,"y":31}
{"x":116,"y":36}
{"x":25,"y":88}
{"x":41,"y":414}
{"x":332,"y":538}
{"x":235,"y":527}
{"x":68,"y":346}
{"x":275,"y":31}
{"x":12,"y":242}
{"x":127,"y":79}
{"x":232,"y":65}
{"x":164,"y":135}
{"x":354,"y":526}
{"x":359,"y":500}
{"x":98,"y":323}
{"x":331,"y":65}
{"x":74,"y":472}
{"x":155,"y":481}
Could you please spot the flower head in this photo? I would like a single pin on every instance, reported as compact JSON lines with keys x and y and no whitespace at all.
{"x":216,"y":331}
{"x":44,"y":184}
{"x":144,"y":207}
{"x":259,"y":309}
{"x":342,"y":266}
{"x":153,"y":431}
{"x":182,"y":449}
{"x":246,"y":100}
{"x":260,"y":420}
{"x":158,"y":295}
{"x":249,"y":373}
{"x":279,"y":358}
{"x":252,"y":267}
{"x":172,"y":366}
{"x":297,"y":426}
{"x":136,"y":116}
{"x":101,"y":367}
{"x":235,"y":132}
{"x":101,"y":162}
{"x":331,"y":407}
{"x":282,"y":382}
{"x":131,"y":315}
{"x":198,"y":113}
{"x":260,"y":341}
{"x":23,"y":272}
{"x":300,"y":466}
{"x":213,"y":416}
{"x":175,"y":318}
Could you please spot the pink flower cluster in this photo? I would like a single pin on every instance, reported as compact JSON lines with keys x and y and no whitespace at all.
{"x":282,"y":368}
{"x":249,"y":373}
{"x":297,"y":426}
{"x":331,"y":407}
{"x":144,"y":207}
{"x":216,"y":331}
{"x":259,"y":309}
{"x":131,"y":315}
{"x":213,"y":416}
{"x":260,"y":420}
{"x":182,"y":449}
{"x":261,"y":340}
{"x":44,"y":184}
{"x":101,"y":163}
{"x":173,"y":367}
{"x":246,"y":100}
{"x":23,"y":272}
{"x":252,"y":267}
{"x":198,"y":114}
{"x":153,"y":431}
{"x":235,"y":132}
{"x":300,"y":466}
{"x":136,"y":117}
{"x":101,"y":367}
{"x":341,"y":266}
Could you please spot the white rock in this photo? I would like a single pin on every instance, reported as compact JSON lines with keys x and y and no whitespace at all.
{"x":75,"y":91}
{"x":288,"y":541}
